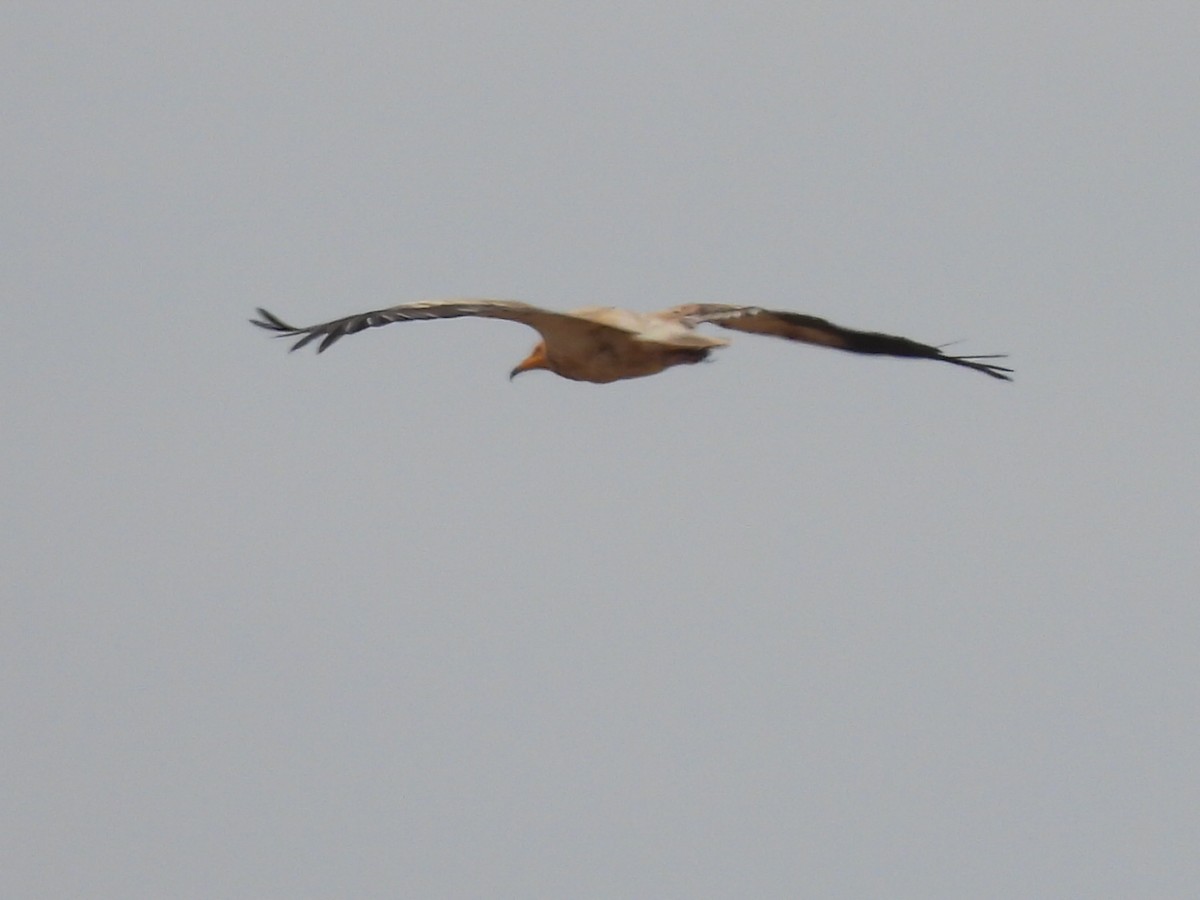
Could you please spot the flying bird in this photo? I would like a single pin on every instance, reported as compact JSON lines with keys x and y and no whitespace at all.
{"x":605,"y":344}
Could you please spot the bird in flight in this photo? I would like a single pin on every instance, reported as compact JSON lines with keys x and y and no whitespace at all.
{"x":605,"y":344}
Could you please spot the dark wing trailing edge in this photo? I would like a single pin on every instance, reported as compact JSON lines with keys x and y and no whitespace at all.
{"x":813,"y":330}
{"x":331,"y":332}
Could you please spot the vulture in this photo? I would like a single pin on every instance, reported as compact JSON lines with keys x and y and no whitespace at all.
{"x":602,"y":344}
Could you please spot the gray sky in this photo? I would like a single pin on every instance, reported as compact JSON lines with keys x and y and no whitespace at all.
{"x":797,"y":623}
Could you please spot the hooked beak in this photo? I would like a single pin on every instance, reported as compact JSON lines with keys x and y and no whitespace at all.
{"x":535,"y":360}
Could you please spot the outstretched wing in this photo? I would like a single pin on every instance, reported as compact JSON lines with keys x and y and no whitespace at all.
{"x":331,"y":332}
{"x":812,"y":330}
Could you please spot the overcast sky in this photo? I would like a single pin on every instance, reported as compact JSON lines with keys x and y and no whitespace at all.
{"x":797,"y":623}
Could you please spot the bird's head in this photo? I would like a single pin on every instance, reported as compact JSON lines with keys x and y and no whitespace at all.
{"x":535,"y":360}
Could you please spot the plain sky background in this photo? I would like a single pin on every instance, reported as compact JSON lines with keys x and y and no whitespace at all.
{"x":797,"y":623}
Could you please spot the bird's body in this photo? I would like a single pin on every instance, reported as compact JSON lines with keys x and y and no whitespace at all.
{"x":601,"y":344}
{"x":604,"y":344}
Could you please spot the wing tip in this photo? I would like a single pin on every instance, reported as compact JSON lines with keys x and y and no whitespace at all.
{"x":1003,"y":373}
{"x":282,"y":329}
